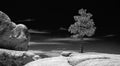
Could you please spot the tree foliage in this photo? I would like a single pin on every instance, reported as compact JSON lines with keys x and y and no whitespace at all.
{"x":84,"y":25}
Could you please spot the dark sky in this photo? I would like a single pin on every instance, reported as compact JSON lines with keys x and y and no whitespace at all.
{"x":56,"y":14}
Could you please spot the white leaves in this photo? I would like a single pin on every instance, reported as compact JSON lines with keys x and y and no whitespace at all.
{"x":83,"y":25}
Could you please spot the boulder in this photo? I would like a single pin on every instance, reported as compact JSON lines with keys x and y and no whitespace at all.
{"x":16,"y":58}
{"x":94,"y":59}
{"x":13,"y":36}
{"x":100,"y":62}
{"x":53,"y":61}
{"x":79,"y":59}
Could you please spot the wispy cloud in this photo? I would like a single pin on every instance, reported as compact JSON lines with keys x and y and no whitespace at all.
{"x":26,"y":20}
{"x":36,"y":31}
{"x":61,"y":28}
{"x":69,"y":39}
{"x":33,"y":43}
{"x":111,"y":35}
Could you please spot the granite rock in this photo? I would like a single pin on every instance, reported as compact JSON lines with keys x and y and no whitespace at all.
{"x":79,"y":59}
{"x":13,"y":36}
{"x":53,"y":61}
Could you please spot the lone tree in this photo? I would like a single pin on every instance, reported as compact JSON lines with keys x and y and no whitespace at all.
{"x":84,"y":26}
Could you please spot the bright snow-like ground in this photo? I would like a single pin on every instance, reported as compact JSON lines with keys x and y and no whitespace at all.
{"x":78,"y":59}
{"x":55,"y":58}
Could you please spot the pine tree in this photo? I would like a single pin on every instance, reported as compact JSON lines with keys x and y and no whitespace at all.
{"x":84,"y":25}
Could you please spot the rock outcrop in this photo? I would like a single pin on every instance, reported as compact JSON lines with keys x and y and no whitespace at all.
{"x":79,"y":59}
{"x":13,"y":36}
{"x":55,"y":61}
{"x":34,"y":58}
{"x":16,"y":58}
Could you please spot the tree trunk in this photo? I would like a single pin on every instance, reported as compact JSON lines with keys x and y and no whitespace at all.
{"x":77,"y":36}
{"x":81,"y":46}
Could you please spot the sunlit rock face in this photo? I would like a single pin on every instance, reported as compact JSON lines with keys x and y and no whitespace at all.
{"x":54,"y":61}
{"x":12,"y":36}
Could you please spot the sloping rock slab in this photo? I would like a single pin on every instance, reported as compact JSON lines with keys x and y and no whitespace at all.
{"x":54,"y":61}
{"x":79,"y":59}
{"x":94,"y":59}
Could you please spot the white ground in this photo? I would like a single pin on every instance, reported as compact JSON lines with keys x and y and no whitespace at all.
{"x":75,"y":59}
{"x":78,"y":59}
